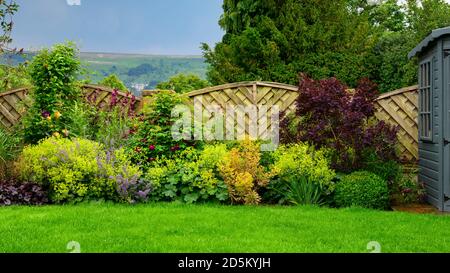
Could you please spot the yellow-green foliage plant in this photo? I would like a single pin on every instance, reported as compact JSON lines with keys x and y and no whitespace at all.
{"x":191,"y":177}
{"x":79,"y":169}
{"x":301,"y":160}
{"x":243,"y":174}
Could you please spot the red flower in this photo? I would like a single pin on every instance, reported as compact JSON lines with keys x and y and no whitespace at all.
{"x":151,"y":147}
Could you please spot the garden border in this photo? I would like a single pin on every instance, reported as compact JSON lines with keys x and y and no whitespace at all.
{"x":398,"y":107}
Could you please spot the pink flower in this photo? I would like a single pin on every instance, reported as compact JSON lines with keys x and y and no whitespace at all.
{"x":151,"y":147}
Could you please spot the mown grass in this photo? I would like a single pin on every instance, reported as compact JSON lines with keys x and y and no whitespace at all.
{"x":214,"y":228}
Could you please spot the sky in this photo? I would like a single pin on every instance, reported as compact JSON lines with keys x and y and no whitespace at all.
{"x":167,"y":27}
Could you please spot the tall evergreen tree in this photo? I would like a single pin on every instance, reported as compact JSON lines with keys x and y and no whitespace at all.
{"x":273,"y":40}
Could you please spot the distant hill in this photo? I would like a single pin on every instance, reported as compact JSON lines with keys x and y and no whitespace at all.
{"x":137,"y":71}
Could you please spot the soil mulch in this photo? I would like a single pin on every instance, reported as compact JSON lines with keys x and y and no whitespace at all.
{"x":417,"y":208}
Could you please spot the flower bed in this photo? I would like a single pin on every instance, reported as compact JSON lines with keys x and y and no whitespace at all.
{"x":334,"y":153}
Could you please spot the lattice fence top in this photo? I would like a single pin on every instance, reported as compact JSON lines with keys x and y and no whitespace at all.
{"x":14,"y":103}
{"x":245,"y":95}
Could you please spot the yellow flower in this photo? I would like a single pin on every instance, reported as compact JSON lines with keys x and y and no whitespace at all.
{"x":57,"y":115}
{"x":56,"y":134}
{"x":49,"y":118}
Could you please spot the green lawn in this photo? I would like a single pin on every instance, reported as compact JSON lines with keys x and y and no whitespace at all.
{"x":210,"y":228}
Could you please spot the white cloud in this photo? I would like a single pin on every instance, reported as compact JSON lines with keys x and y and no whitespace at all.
{"x":73,"y":2}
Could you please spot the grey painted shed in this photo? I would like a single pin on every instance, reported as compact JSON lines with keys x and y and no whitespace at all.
{"x":434,"y":116}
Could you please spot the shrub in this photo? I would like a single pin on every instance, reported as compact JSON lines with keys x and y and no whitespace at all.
{"x":53,"y":74}
{"x":302,"y":160}
{"x":151,"y":135}
{"x":301,"y":191}
{"x":10,"y":145}
{"x":389,"y":170}
{"x":110,"y":126}
{"x":12,"y":77}
{"x":113,"y":82}
{"x":362,"y":189}
{"x":17,"y":193}
{"x":327,"y":115}
{"x":190,"y":177}
{"x":243,"y":174}
{"x":407,"y":190}
{"x":79,"y":169}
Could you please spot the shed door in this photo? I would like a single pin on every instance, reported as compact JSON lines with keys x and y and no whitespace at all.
{"x":446,"y":125}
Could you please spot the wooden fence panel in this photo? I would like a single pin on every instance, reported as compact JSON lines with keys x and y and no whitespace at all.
{"x":400,"y":108}
{"x":14,"y":103}
{"x":247,"y":94}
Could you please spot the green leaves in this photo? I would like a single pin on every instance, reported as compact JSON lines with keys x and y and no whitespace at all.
{"x":275,"y":40}
{"x":363,"y":189}
{"x":114,"y":82}
{"x":348,"y":39}
{"x":183,"y":83}
{"x":302,"y":191}
{"x":53,"y":73}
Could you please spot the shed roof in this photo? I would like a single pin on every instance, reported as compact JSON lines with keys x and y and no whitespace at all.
{"x":435,"y":34}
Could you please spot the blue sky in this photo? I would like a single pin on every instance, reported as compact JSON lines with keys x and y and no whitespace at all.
{"x":124,"y":26}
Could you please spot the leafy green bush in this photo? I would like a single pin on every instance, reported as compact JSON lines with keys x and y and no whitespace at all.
{"x":106,"y":126}
{"x":10,"y":145}
{"x":113,"y":82}
{"x":151,"y":134}
{"x":183,"y":83}
{"x":389,"y":170}
{"x":362,"y":189}
{"x":12,"y":77}
{"x":302,"y":191}
{"x":80,"y":169}
{"x":300,"y":160}
{"x":191,"y":177}
{"x":53,"y":74}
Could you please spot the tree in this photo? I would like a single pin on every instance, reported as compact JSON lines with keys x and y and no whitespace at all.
{"x":426,"y":15}
{"x":390,"y":65}
{"x":53,"y":74}
{"x":114,"y":82}
{"x":273,"y":40}
{"x":7,"y":10}
{"x":183,"y":83}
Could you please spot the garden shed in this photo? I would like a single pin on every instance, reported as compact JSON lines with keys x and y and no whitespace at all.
{"x":434,"y":115}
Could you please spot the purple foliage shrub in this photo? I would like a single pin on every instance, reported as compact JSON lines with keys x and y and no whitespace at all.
{"x":329,"y":115}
